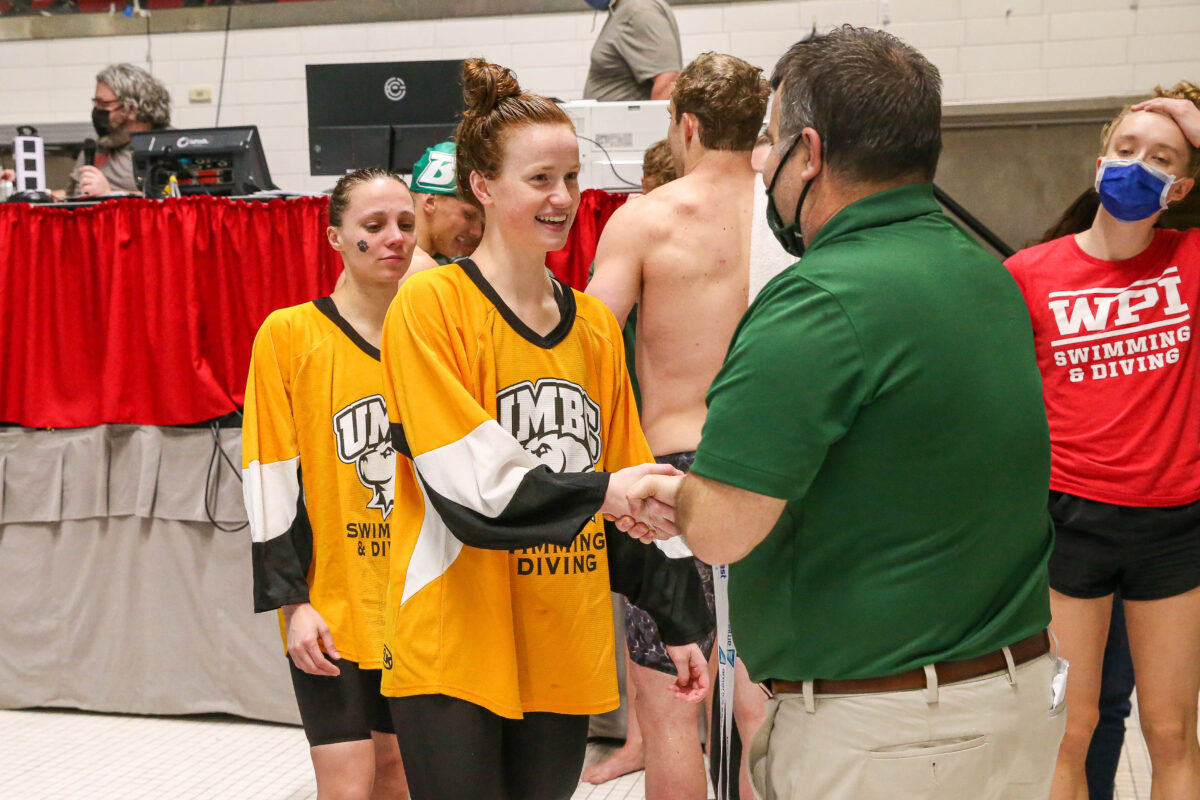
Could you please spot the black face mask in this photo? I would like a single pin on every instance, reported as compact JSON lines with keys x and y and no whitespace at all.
{"x":101,"y":121}
{"x":788,"y":236}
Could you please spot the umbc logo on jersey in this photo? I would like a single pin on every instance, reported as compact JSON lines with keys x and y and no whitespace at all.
{"x":555,"y":420}
{"x":363,"y":440}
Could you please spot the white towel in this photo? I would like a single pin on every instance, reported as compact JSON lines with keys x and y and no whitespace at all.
{"x":767,"y":257}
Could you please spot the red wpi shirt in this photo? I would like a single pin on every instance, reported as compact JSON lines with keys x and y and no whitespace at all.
{"x":1119,"y":371}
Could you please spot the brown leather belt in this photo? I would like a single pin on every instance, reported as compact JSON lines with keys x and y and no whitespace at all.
{"x":947,"y":672}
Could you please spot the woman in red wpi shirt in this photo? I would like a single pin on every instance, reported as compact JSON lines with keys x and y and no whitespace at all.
{"x":1113,"y":312}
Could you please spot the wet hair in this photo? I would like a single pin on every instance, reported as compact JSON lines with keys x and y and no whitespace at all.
{"x":727,"y":95}
{"x":1184,"y":90}
{"x":495,"y":103}
{"x":339,"y":199}
{"x":658,"y":167}
{"x":875,"y":101}
{"x":139,"y":92}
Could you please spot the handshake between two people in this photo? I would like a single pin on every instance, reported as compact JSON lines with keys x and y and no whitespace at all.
{"x":641,"y":501}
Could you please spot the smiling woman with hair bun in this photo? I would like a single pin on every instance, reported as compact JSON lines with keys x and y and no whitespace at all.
{"x":508,"y":395}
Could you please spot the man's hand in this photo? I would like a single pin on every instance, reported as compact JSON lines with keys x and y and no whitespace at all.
{"x":692,"y":683}
{"x":306,"y":633}
{"x":652,"y":508}
{"x":92,"y":181}
{"x":616,"y":502}
{"x":1184,"y":112}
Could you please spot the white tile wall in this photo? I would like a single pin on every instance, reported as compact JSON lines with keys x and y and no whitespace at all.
{"x":1087,"y":5}
{"x":1091,"y":24}
{"x":924,"y":35}
{"x":1150,"y":75}
{"x":1008,"y":85}
{"x":998,"y":8}
{"x":1000,"y":57}
{"x":987,"y":50}
{"x":1173,"y":18}
{"x":1165,"y":47}
{"x":1116,"y":80}
{"x":1084,"y":53}
{"x":1008,"y":28}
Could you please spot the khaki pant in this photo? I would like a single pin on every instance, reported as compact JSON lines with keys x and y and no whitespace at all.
{"x":991,"y":738}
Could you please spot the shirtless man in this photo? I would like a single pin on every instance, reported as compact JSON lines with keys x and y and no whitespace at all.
{"x":447,"y":226}
{"x":682,"y":254}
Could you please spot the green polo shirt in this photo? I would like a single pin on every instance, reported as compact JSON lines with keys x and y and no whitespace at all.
{"x":886,"y":388}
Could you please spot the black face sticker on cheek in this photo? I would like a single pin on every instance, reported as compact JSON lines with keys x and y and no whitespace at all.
{"x":362,"y":246}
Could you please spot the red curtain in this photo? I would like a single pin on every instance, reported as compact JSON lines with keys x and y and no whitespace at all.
{"x":144,"y":311}
{"x":571,"y":264}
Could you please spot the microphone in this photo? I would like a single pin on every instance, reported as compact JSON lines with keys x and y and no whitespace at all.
{"x":89,"y":152}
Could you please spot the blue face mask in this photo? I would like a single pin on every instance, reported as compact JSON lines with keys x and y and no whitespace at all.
{"x":1132,"y":190}
{"x":599,"y":5}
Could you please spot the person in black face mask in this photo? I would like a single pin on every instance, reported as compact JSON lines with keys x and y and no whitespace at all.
{"x":874,"y":463}
{"x":127,"y":99}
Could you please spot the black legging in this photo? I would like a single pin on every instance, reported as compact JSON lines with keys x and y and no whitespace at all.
{"x":454,"y":749}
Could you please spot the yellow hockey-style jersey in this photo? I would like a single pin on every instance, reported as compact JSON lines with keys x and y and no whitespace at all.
{"x":319,"y":474}
{"x":501,"y":568}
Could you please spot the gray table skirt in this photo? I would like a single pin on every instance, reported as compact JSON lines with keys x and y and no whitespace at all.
{"x":116,"y":591}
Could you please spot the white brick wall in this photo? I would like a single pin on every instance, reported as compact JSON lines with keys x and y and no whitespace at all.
{"x":987,"y":50}
{"x":1006,"y":29}
{"x":1091,"y":24}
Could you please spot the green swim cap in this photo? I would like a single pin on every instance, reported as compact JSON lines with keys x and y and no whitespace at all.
{"x":434,"y":172}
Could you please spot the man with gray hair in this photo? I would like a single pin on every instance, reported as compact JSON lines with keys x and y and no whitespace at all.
{"x":127,"y":99}
{"x":875,"y":460}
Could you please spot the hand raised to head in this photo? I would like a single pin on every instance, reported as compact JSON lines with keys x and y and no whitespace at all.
{"x":1184,"y":112}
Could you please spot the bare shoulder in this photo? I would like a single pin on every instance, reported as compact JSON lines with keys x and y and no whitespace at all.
{"x":643,"y":215}
{"x":420,"y":261}
{"x":682,"y":194}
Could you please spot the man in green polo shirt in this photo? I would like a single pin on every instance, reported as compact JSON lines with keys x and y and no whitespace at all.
{"x":875,"y":460}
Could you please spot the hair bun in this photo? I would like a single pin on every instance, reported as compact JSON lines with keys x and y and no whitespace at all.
{"x":485,"y":84}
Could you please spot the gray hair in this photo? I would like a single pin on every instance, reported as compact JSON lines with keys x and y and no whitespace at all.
{"x":139,"y":92}
{"x":875,"y":101}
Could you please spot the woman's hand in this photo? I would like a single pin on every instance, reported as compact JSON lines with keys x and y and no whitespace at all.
{"x":1184,"y":112}
{"x":306,"y":634}
{"x":637,"y":523}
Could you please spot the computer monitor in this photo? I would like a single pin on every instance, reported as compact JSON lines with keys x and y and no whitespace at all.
{"x":216,"y":161}
{"x":613,"y":137}
{"x":380,"y":114}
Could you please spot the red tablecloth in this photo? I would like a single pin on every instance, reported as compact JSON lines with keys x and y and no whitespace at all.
{"x":144,"y":311}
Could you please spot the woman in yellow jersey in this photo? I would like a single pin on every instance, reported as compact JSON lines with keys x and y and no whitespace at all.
{"x":510,"y":400}
{"x":319,"y":482}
